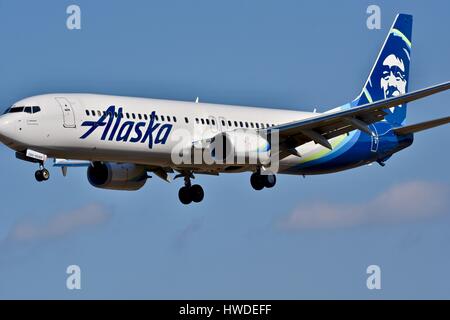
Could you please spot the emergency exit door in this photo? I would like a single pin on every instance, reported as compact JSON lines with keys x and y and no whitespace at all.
{"x":67,"y":113}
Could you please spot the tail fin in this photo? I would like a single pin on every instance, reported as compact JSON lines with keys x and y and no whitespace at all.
{"x":390,"y":73}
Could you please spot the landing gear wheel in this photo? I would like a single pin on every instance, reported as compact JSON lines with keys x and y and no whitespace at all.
{"x":39,"y":176}
{"x":190,"y":193}
{"x":270,"y":180}
{"x":45,"y":174}
{"x":197,"y":193}
{"x":257,"y":181}
{"x":42,"y":175}
{"x":185,"y":195}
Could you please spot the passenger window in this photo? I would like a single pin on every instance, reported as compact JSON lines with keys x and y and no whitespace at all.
{"x":246,"y":124}
{"x":186,"y":120}
{"x":242,"y":125}
{"x":168,"y":118}
{"x":235,"y":124}
{"x":229,"y":123}
{"x":174,"y":119}
{"x":87,"y":112}
{"x":197,"y":121}
{"x":162,"y":118}
{"x":207,"y":122}
{"x":203,"y":121}
{"x":140,"y":116}
{"x":213,"y":122}
{"x":93,"y":113}
{"x":145,"y":117}
{"x":257,"y":125}
{"x":99,"y":113}
{"x":133,"y":115}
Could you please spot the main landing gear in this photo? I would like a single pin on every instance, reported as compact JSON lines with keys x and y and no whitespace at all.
{"x":260,"y":181}
{"x":42,"y":174}
{"x":190,"y":193}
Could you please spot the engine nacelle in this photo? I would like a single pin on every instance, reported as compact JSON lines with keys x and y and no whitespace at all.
{"x":241,"y":147}
{"x":117,"y":176}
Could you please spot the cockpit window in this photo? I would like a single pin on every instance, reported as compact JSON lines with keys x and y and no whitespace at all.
{"x":7,"y":111}
{"x":16,"y":109}
{"x":29,"y":110}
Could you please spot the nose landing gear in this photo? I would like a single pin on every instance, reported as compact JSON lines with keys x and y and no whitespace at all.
{"x":42,"y":174}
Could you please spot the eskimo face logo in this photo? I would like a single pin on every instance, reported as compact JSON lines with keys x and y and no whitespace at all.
{"x":392,"y":71}
{"x":128,"y":131}
{"x":393,"y":80}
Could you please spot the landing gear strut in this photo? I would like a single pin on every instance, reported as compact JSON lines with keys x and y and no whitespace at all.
{"x":260,"y":181}
{"x":190,"y":193}
{"x":42,"y":174}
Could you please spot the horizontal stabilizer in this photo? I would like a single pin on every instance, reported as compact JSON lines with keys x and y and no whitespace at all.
{"x":421,"y":126}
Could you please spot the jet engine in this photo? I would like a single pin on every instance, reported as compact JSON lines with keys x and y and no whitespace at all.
{"x":117,"y":176}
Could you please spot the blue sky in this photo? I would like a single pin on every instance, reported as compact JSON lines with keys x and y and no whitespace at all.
{"x":277,"y":244}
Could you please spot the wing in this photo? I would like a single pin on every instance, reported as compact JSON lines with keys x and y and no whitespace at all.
{"x":64,"y":164}
{"x":332,"y":124}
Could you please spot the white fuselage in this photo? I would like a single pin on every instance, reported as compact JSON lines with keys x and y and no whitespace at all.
{"x":57,"y":128}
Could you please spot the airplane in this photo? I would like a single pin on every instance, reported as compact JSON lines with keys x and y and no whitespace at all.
{"x":121,"y":140}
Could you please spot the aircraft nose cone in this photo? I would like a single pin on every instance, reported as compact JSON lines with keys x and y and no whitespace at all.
{"x":5,"y":129}
{"x":2,"y":126}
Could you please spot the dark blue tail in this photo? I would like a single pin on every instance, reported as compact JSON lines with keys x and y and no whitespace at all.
{"x":390,"y":74}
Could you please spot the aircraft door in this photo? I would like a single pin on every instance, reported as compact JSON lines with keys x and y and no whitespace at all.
{"x":67,"y":112}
